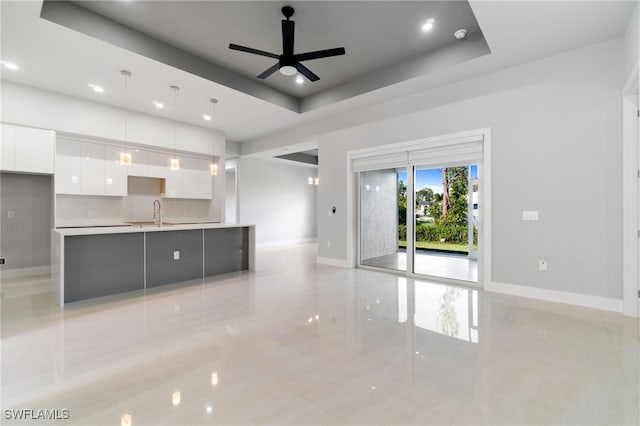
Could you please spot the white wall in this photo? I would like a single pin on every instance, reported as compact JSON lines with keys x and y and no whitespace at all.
{"x":632,"y":41}
{"x":33,"y":107}
{"x":556,"y":140}
{"x":276,"y":198}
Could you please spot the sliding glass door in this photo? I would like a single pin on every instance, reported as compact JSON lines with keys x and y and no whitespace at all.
{"x":383,"y":219}
{"x":445,"y":224}
{"x":420,"y":207}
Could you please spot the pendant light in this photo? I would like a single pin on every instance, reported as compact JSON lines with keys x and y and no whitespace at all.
{"x":213,"y":167}
{"x":175,"y":161}
{"x":125,"y":155}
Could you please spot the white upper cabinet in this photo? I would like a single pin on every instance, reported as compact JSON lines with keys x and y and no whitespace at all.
{"x":23,"y":149}
{"x":157,"y":164}
{"x":8,"y":148}
{"x":115,"y":175}
{"x":138,"y":165}
{"x":89,"y":169}
{"x":193,"y":180}
{"x":93,"y":169}
{"x":149,"y":164}
{"x":68,"y":167}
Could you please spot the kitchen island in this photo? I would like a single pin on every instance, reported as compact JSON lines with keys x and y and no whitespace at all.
{"x":99,"y":261}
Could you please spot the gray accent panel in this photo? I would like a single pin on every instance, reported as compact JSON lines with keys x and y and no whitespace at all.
{"x":226,"y":250}
{"x":161,"y":268}
{"x":99,"y":265}
{"x":25,"y":235}
{"x":80,"y":19}
{"x":300,"y":157}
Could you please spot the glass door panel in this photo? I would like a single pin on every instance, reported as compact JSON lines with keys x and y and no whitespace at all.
{"x":446,"y":218}
{"x":383,"y":219}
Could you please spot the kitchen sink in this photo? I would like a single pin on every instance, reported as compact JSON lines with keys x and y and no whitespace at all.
{"x":149,"y":224}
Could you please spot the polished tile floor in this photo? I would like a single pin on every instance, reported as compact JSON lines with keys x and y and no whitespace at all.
{"x":298,"y":344}
{"x":455,"y":267}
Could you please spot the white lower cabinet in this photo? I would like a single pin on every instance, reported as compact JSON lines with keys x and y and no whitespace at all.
{"x":24,"y":149}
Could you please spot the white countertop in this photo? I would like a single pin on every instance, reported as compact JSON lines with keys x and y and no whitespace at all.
{"x":145,"y":228}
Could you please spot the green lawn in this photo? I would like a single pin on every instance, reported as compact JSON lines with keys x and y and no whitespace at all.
{"x":433,"y":245}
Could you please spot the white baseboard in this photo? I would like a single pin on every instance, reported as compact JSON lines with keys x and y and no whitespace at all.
{"x":25,"y":272}
{"x":584,"y":300}
{"x":334,"y":262}
{"x":285,"y":243}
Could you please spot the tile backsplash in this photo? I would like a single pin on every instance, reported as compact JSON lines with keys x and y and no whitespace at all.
{"x":137,"y":206}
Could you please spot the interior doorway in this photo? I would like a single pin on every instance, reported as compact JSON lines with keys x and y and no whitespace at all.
{"x":631,"y":195}
{"x":231,"y":191}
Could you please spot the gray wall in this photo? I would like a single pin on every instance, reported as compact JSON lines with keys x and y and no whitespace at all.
{"x":557,"y":146}
{"x":379,"y":213}
{"x":276,"y":197}
{"x":25,"y":238}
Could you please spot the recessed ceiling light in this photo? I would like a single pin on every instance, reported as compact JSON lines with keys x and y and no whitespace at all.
{"x":158,"y":104}
{"x":9,"y":65}
{"x":460,"y":34}
{"x":96,"y":88}
{"x":299,"y":79}
{"x":428,"y":25}
{"x":206,"y":117}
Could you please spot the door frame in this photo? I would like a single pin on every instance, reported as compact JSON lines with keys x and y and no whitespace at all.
{"x":630,"y":190}
{"x":484,"y":200}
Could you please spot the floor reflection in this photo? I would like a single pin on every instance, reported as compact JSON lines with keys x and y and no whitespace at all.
{"x":298,"y":343}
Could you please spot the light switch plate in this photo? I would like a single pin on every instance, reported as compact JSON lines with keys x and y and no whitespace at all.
{"x":176,"y":255}
{"x":530,"y":215}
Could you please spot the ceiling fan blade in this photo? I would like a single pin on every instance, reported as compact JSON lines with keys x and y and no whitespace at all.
{"x":270,"y":71}
{"x":254,"y":51}
{"x":288,"y":32}
{"x":306,"y":72}
{"x":319,"y":54}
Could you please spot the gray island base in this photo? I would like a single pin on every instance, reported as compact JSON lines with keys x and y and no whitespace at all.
{"x":94,"y":262}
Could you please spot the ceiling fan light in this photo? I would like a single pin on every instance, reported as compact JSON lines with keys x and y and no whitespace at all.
{"x":288,"y":70}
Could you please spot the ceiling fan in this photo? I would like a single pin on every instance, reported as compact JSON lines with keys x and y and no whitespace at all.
{"x":289,"y":63}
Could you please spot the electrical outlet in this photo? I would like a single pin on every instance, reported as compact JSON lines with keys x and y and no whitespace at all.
{"x":542,"y":265}
{"x":11,"y":214}
{"x":530,"y":215}
{"x":176,"y":255}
